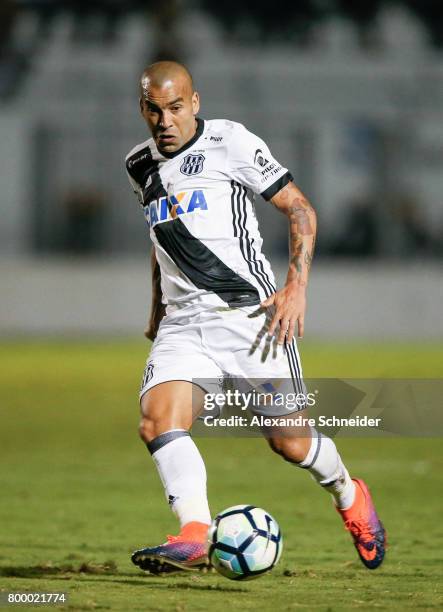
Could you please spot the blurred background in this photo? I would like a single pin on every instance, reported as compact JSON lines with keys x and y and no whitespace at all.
{"x":349,"y":96}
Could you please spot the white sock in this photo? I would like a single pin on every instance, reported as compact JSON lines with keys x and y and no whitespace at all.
{"x":326,"y":467}
{"x":183,"y":475}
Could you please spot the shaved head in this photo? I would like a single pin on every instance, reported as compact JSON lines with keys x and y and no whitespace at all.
{"x":162,"y":74}
{"x":169,"y":104}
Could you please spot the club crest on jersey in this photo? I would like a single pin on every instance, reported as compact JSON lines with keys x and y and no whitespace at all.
{"x":192,"y":164}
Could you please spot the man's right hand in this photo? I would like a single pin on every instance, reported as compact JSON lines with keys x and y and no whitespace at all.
{"x":158,"y":309}
{"x":149,"y":333}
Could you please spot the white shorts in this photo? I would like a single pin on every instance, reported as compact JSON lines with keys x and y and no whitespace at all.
{"x":228,"y":343}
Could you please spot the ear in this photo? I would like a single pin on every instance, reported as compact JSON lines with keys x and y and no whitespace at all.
{"x":195,"y":103}
{"x":140,"y":100}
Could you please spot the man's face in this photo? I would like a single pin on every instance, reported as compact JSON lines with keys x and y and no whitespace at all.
{"x":169,"y":111}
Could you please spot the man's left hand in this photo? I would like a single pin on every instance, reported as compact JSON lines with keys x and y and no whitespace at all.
{"x":290,"y":306}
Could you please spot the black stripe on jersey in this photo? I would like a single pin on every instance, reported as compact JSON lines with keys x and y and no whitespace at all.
{"x":243,"y":234}
{"x":270,"y":192}
{"x":292,"y":350}
{"x":239,"y":218}
{"x":202,"y":266}
{"x":233,"y":209}
{"x":238,"y":229}
{"x":144,"y":170}
{"x":137,"y":164}
{"x":258,"y":263}
{"x":294,"y":366}
{"x":291,"y":367}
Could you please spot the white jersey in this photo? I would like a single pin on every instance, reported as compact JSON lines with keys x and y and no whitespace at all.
{"x":199,"y":206}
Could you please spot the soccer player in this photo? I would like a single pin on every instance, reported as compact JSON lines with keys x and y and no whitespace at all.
{"x":214,"y":297}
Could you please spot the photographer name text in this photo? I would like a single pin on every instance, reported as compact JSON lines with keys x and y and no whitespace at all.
{"x":286,"y":421}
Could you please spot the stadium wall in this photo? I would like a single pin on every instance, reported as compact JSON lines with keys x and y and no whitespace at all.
{"x":346,"y":300}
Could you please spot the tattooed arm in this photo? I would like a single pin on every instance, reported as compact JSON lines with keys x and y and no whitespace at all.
{"x":290,"y":302}
{"x":157,"y":307}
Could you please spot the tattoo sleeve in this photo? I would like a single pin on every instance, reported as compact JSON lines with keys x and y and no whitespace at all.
{"x":302,"y":232}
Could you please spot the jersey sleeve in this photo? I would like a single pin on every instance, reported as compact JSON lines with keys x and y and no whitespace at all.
{"x":135,"y":187}
{"x":252,"y":164}
{"x":133,"y":178}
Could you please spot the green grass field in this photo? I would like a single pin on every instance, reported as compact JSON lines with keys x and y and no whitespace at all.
{"x":79,"y":491}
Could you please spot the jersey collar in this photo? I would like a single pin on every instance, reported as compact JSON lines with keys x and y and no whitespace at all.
{"x":198,"y":133}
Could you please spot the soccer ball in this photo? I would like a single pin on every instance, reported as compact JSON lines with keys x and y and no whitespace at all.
{"x":244,"y":542}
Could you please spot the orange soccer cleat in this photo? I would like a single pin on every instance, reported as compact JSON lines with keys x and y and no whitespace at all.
{"x":365,"y":527}
{"x":187,"y":551}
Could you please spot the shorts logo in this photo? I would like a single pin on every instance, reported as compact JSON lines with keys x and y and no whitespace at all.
{"x":147,"y":374}
{"x":192,"y":164}
{"x":172,"y":499}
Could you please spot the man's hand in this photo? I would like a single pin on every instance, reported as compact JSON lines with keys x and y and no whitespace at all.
{"x":158,"y":309}
{"x":150,"y":332}
{"x":290,"y":306}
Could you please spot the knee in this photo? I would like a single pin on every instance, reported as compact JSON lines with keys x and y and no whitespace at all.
{"x":293,"y":450}
{"x":164,"y":407}
{"x":146,"y":428}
